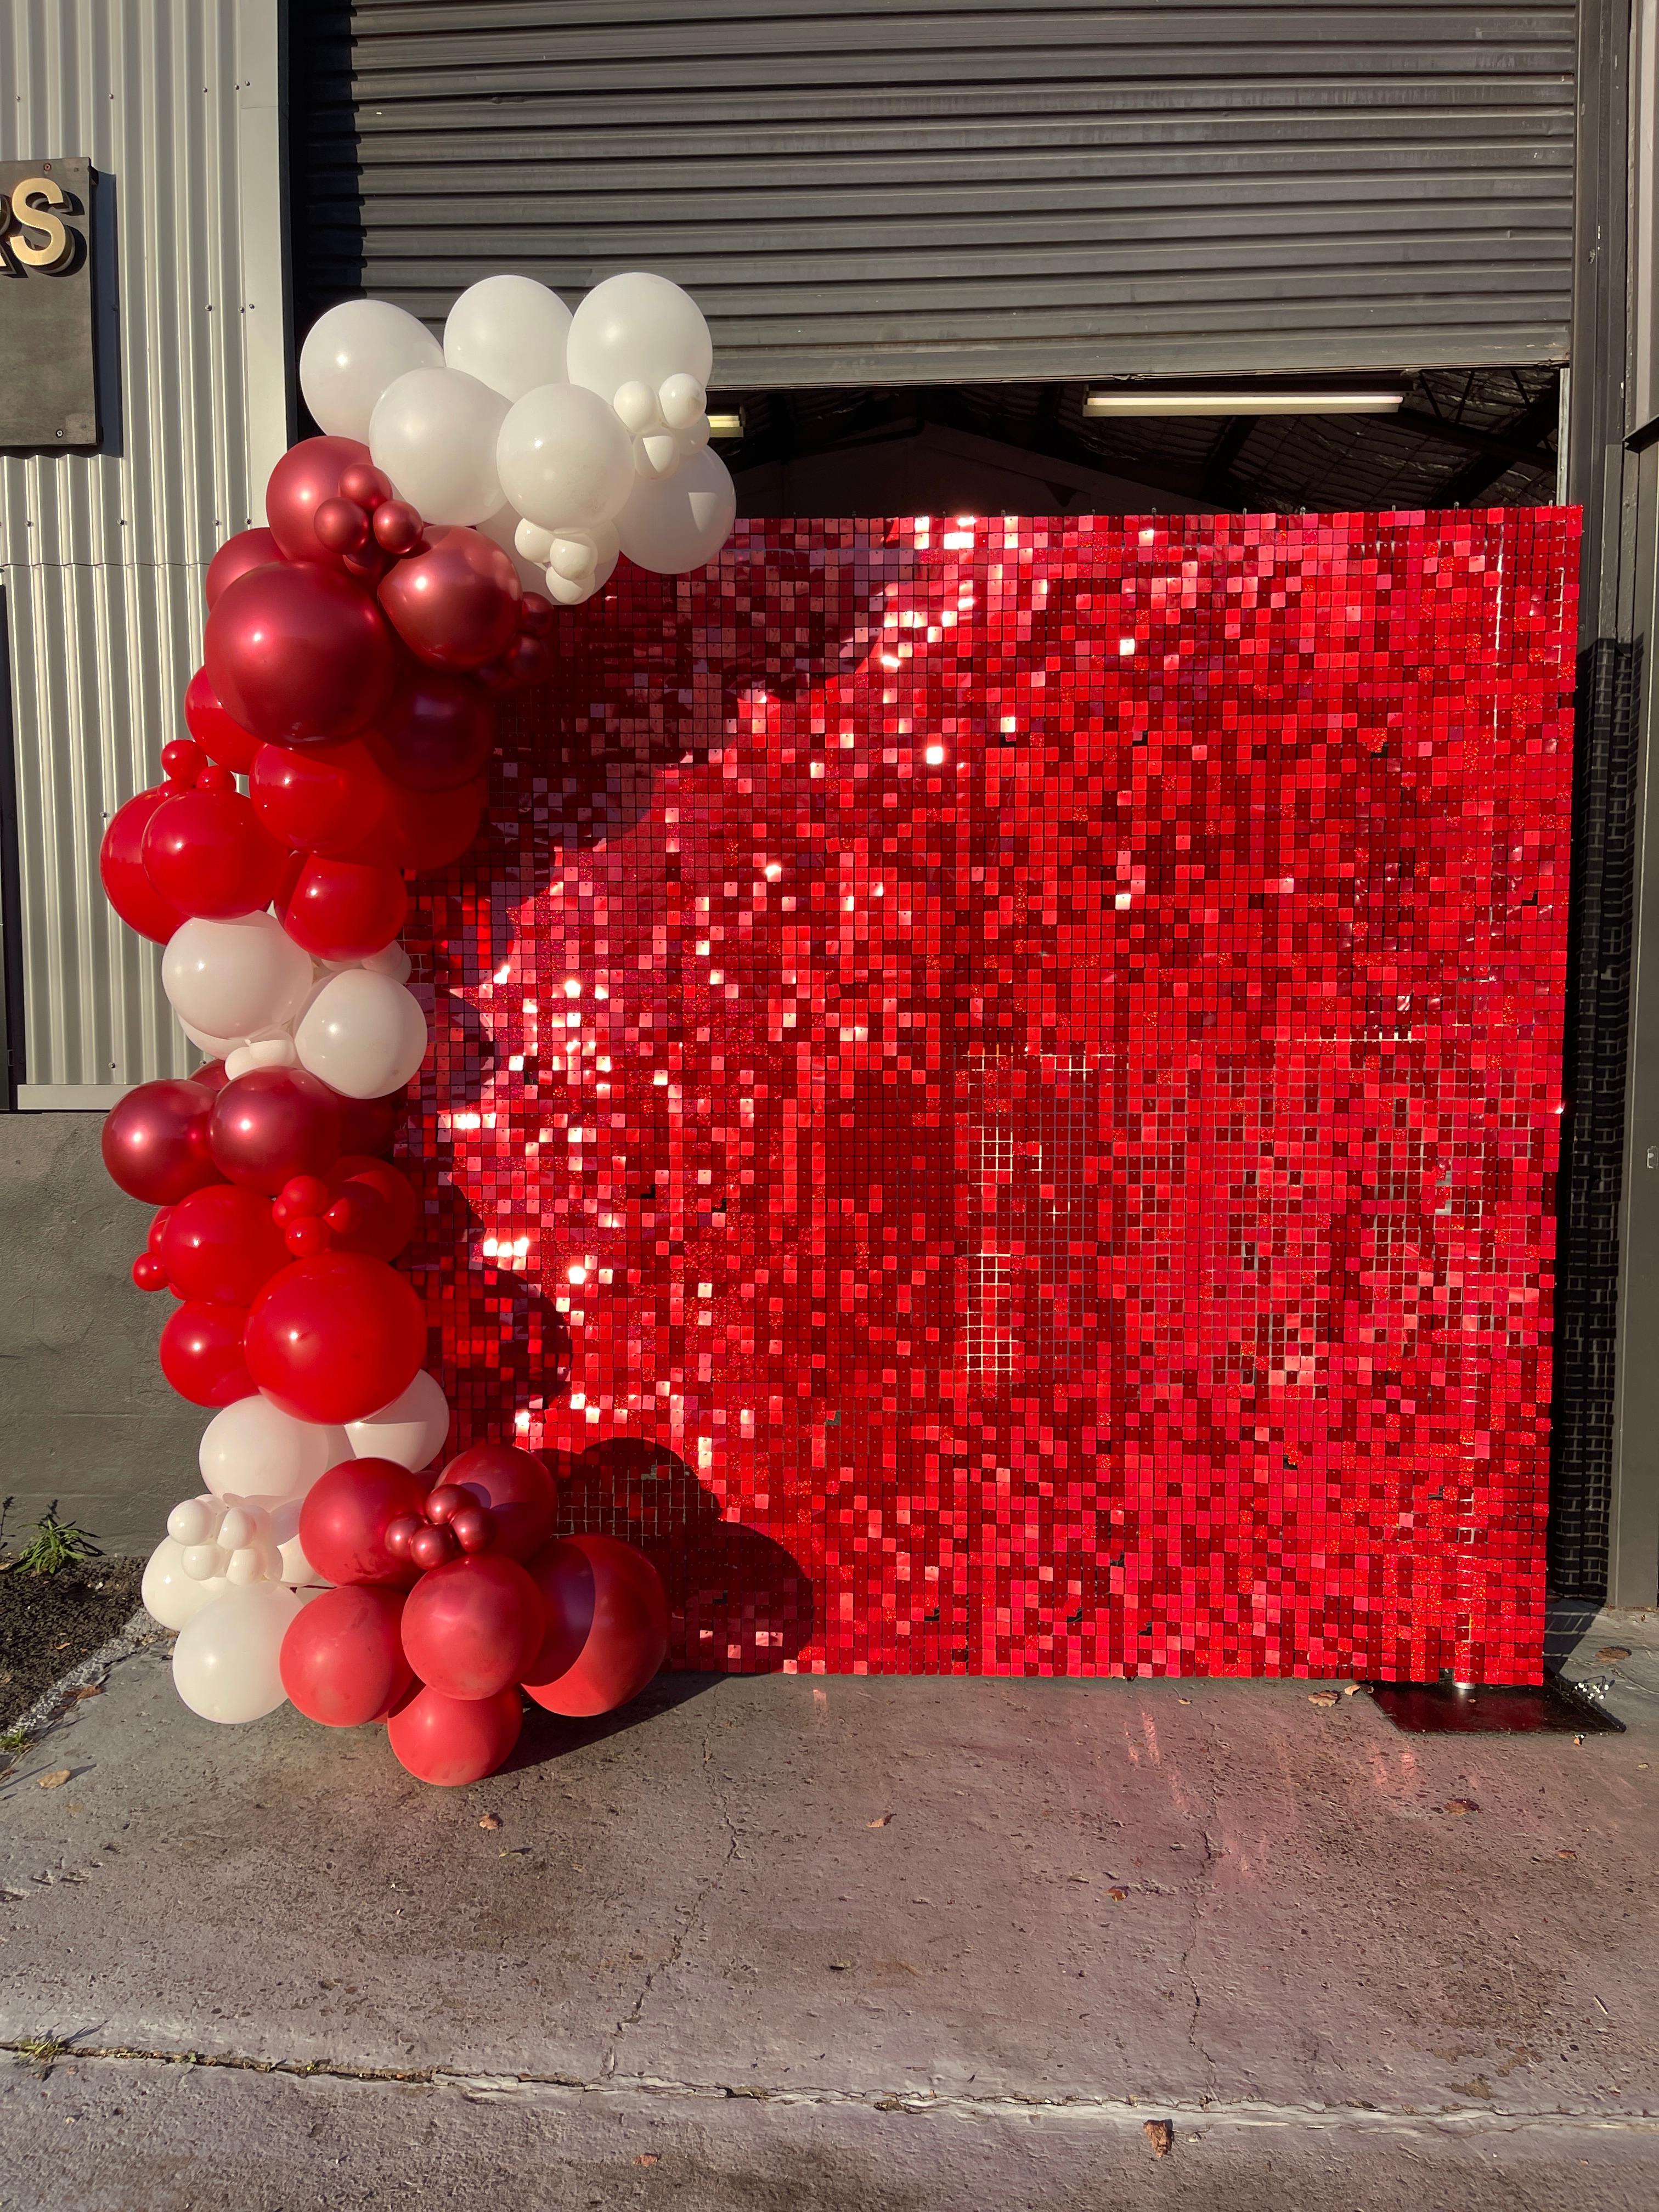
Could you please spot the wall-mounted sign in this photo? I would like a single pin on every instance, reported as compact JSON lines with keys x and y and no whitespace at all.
{"x":48,"y":393}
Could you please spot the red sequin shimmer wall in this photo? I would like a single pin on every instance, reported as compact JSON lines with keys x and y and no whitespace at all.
{"x":997,"y":1088}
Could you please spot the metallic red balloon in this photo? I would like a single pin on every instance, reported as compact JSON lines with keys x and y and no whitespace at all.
{"x":607,"y":1625}
{"x":516,"y":1488}
{"x":341,"y":1661}
{"x":432,"y":1547}
{"x":211,"y":1075}
{"x":456,"y":606}
{"x":204,"y":1353}
{"x":334,"y":1338}
{"x":428,"y":830}
{"x":366,"y":486}
{"x":272,"y":1124}
{"x":327,"y":799}
{"x":382,"y":1199}
{"x":220,"y":739}
{"x":472,"y":1626}
{"x":438,"y":732}
{"x":220,"y":1244}
{"x":155,"y":1141}
{"x":248,"y":548}
{"x":121,"y":867}
{"x":299,"y":654}
{"x":450,"y":1741}
{"x":344,"y":909}
{"x":397,"y":526}
{"x":342,"y":525}
{"x":207,"y":853}
{"x":307,"y":475}
{"x":346,"y":1515}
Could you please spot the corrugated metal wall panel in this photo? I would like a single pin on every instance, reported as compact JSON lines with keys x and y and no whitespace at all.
{"x":948,"y":189}
{"x":102,"y":556}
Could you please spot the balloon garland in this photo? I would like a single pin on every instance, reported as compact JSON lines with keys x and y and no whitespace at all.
{"x":341,"y":729}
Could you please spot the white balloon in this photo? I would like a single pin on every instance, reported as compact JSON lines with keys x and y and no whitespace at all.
{"x":682,"y":523}
{"x":433,"y":432}
{"x":225,"y":1662}
{"x":636,"y":408}
{"x":234,"y":979}
{"x":637,"y":328}
{"x":534,"y":542}
{"x":509,"y":332}
{"x":569,"y":592}
{"x":410,"y":1430}
{"x":352,"y":353}
{"x":252,"y":1448}
{"x":215,"y":1048}
{"x":564,"y":458}
{"x":503,"y":528}
{"x":682,"y":402}
{"x":194,"y":1521}
{"x":170,"y":1596}
{"x":362,"y":1034}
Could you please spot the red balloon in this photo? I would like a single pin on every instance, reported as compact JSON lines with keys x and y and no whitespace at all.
{"x":220,"y":739}
{"x":208,"y":853}
{"x":344,"y":909}
{"x":328,"y":799}
{"x":342,"y":1660}
{"x":454,"y":1740}
{"x":371,"y":1125}
{"x":248,"y":548}
{"x":155,"y":1141}
{"x":336,"y":1338}
{"x":272,"y":1124}
{"x":344,"y":1517}
{"x":204,"y":1353}
{"x":385,"y":1202}
{"x":220,"y":1244}
{"x":455,"y":605}
{"x":428,"y":830}
{"x":299,"y":654}
{"x":517,"y":1489}
{"x":307,"y":475}
{"x":438,"y":732}
{"x":211,"y":1076}
{"x":472,"y":1626}
{"x":607,"y":1625}
{"x":121,"y":865}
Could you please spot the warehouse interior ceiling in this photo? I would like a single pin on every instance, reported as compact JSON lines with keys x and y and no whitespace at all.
{"x":1477,"y":437}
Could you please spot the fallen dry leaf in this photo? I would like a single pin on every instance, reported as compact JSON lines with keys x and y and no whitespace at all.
{"x":1567,"y":1855}
{"x":1117,"y":1896}
{"x":1460,"y":1807}
{"x":1322,"y":1697}
{"x":1161,"y":2135}
{"x":490,"y":1820}
{"x":54,"y":1781}
{"x":1614,"y":1651}
{"x":1350,"y":1689}
{"x":648,"y":2157}
{"x":881,"y":1821}
{"x":88,"y":1690}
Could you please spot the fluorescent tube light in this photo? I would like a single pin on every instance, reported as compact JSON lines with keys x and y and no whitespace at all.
{"x":1241,"y":403}
{"x":725,"y":426}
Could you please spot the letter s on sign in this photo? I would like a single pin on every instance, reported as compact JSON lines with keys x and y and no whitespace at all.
{"x":31,"y":201}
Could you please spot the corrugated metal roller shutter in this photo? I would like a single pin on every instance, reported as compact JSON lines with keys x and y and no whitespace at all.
{"x":956,"y":190}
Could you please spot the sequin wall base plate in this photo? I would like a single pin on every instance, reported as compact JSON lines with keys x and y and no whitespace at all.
{"x":997,"y":1091}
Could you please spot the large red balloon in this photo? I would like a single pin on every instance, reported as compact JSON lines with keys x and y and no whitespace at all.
{"x":343,"y":1661}
{"x":299,"y":654}
{"x":454,"y":1740}
{"x":472,"y":1626}
{"x":307,"y":475}
{"x":371,"y":1125}
{"x":456,"y":606}
{"x":428,"y":830}
{"x":344,"y":1517}
{"x":336,"y":1338}
{"x":202,"y":1354}
{"x":344,"y":909}
{"x":328,"y":799}
{"x":438,"y":732}
{"x":515,"y":1487}
{"x":607,"y":1625}
{"x":248,"y":548}
{"x":207,"y":853}
{"x":384,"y":1203}
{"x":220,"y":1244}
{"x":272,"y":1124}
{"x":220,"y":739}
{"x":121,"y":865}
{"x":155,"y":1141}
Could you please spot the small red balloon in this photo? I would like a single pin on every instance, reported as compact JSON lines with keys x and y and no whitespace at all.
{"x":365,"y":485}
{"x":607,"y":1625}
{"x":341,"y":1661}
{"x":528,"y":660}
{"x":272,"y":1124}
{"x":342,"y":525}
{"x":149,"y":1274}
{"x":443,"y":1503}
{"x":473,"y":1529}
{"x":345,"y":1516}
{"x":344,"y":909}
{"x":182,"y":762}
{"x":428,"y":830}
{"x":472,"y":1626}
{"x":516,"y":1488}
{"x":126,"y":883}
{"x":438,"y":732}
{"x":401,"y":1532}
{"x":535,"y":615}
{"x":211,"y":1076}
{"x":202,"y":1354}
{"x":307,"y":475}
{"x":306,"y":1239}
{"x":397,"y":526}
{"x":248,"y":548}
{"x":370,"y":1126}
{"x":334,"y":1338}
{"x":432,"y":1547}
{"x":207,"y":853}
{"x":327,"y":799}
{"x":220,"y":737}
{"x":301,"y":1194}
{"x":155,"y":1141}
{"x":384,"y":1204}
{"x":299,"y":654}
{"x":220,"y":1244}
{"x":455,"y":605}
{"x":450,"y":1741}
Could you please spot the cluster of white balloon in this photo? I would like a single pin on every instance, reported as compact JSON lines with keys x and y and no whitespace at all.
{"x":567,"y":438}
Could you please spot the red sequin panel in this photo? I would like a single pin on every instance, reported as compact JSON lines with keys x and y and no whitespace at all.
{"x":997,"y":1091}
